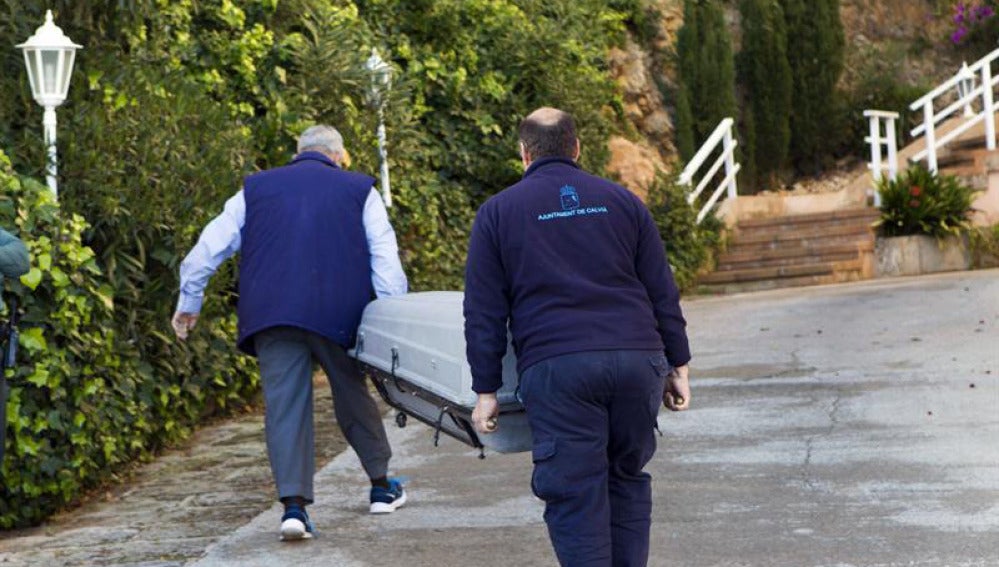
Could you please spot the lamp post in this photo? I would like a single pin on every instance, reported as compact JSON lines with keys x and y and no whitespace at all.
{"x":964,"y":87}
{"x":381,"y":82}
{"x":49,"y":56}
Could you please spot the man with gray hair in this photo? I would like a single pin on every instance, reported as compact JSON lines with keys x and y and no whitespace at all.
{"x":316,"y":246}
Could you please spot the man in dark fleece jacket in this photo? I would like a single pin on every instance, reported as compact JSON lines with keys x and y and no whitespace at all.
{"x":574,"y":267}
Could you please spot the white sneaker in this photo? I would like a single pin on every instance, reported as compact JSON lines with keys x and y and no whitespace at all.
{"x":295,"y":524}
{"x":386,"y":500}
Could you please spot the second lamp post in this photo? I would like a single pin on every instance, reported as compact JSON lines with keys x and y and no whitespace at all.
{"x":381,"y":82}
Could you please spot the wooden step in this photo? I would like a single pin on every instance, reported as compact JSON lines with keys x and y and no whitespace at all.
{"x":809,"y":250}
{"x":763,"y":285}
{"x":971,"y":143}
{"x":812,"y":218}
{"x":736,"y":247}
{"x":844,"y":256}
{"x":802,"y":234}
{"x":955,"y":159}
{"x":782,"y":272}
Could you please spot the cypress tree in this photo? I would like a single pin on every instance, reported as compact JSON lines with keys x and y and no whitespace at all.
{"x":765,"y":74}
{"x":686,"y":47}
{"x":707,"y":71}
{"x":684,"y":126}
{"x":815,"y":44}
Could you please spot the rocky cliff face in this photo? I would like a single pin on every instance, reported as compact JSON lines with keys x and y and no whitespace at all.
{"x":907,"y":38}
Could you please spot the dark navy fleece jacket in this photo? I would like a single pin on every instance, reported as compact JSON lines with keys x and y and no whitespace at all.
{"x":573,"y":263}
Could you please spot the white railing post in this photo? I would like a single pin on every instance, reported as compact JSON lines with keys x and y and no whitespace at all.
{"x":875,"y":142}
{"x":988,"y":106}
{"x":879,"y":143}
{"x":728,"y":146}
{"x":892,"y":151}
{"x":931,"y":136}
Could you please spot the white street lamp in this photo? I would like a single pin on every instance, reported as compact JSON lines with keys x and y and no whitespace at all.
{"x":965,"y":85}
{"x":381,"y":82}
{"x":49,"y":56}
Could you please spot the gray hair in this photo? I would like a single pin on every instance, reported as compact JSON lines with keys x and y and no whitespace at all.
{"x":321,"y":138}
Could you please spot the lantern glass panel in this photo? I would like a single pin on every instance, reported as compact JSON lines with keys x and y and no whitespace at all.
{"x":29,"y":62}
{"x":70,"y":55}
{"x":50,"y":68}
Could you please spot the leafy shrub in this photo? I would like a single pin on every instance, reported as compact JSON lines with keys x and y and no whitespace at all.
{"x":690,"y":247}
{"x":922,"y":202}
{"x":983,"y":242}
{"x":67,"y":419}
{"x":878,"y":82}
{"x":84,"y":402}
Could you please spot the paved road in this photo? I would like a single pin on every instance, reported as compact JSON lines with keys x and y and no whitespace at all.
{"x":852,"y":425}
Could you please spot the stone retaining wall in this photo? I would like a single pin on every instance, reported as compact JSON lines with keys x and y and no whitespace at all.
{"x":920,"y":254}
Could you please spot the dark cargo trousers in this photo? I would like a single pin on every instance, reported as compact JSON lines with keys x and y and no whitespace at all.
{"x":286,"y":357}
{"x":592,"y":417}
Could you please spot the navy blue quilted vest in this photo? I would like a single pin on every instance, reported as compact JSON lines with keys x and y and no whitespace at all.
{"x":304,"y":259}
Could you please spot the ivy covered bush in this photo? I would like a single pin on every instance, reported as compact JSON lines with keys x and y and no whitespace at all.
{"x":690,"y":247}
{"x":922,"y":202}
{"x":82,"y":401}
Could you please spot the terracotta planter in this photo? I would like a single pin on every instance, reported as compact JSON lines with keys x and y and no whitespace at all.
{"x":919,"y":254}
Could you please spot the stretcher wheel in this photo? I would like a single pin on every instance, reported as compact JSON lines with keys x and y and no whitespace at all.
{"x":400,"y":419}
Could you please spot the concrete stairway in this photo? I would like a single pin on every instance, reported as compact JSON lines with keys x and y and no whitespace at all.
{"x":966,"y":159}
{"x":796,"y":250}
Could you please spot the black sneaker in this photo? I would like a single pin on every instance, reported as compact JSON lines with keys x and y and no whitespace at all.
{"x":295,"y":524}
{"x":386,"y":500}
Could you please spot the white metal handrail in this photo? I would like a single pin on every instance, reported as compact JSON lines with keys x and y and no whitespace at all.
{"x":721,"y":136}
{"x":975,"y":85}
{"x":882,"y":122}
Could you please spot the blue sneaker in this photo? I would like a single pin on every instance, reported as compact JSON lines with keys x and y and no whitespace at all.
{"x":295,"y":524}
{"x":386,"y":500}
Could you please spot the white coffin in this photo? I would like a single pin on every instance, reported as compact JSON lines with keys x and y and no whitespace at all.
{"x":414,"y":348}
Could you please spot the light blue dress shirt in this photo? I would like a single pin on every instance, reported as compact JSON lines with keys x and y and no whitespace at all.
{"x":222,"y":238}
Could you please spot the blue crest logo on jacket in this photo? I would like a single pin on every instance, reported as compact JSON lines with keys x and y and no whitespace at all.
{"x":570,"y":199}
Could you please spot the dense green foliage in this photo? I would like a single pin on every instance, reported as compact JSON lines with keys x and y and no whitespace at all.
{"x":83,"y":401}
{"x":923,"y":202}
{"x":765,"y":74}
{"x":815,"y":48}
{"x":172,"y":102}
{"x":983,"y":243}
{"x":690,"y":247}
{"x":476,"y":68}
{"x":880,"y":84}
{"x":706,"y":74}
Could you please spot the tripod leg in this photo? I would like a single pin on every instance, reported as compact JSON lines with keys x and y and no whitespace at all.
{"x":3,"y":413}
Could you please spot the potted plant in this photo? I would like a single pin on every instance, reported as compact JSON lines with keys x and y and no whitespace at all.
{"x":924,"y":219}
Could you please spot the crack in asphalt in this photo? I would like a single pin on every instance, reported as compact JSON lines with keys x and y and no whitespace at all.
{"x":833,"y":416}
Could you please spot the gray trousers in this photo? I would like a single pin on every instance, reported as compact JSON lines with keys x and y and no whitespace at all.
{"x":286,"y":357}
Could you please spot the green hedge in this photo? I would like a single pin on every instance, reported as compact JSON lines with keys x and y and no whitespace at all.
{"x":83,"y":401}
{"x":690,"y":247}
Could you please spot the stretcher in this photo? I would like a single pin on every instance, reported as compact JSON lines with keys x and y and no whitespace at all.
{"x":413,"y":348}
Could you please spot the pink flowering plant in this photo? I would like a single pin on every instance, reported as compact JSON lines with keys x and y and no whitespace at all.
{"x":975,"y":26}
{"x":923,"y":202}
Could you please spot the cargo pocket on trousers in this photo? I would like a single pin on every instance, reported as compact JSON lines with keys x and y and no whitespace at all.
{"x":544,"y":481}
{"x":662,"y":369}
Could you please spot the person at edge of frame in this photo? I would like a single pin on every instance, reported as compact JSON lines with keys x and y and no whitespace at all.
{"x":576,"y":267}
{"x":14,"y":262}
{"x":316,"y":246}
